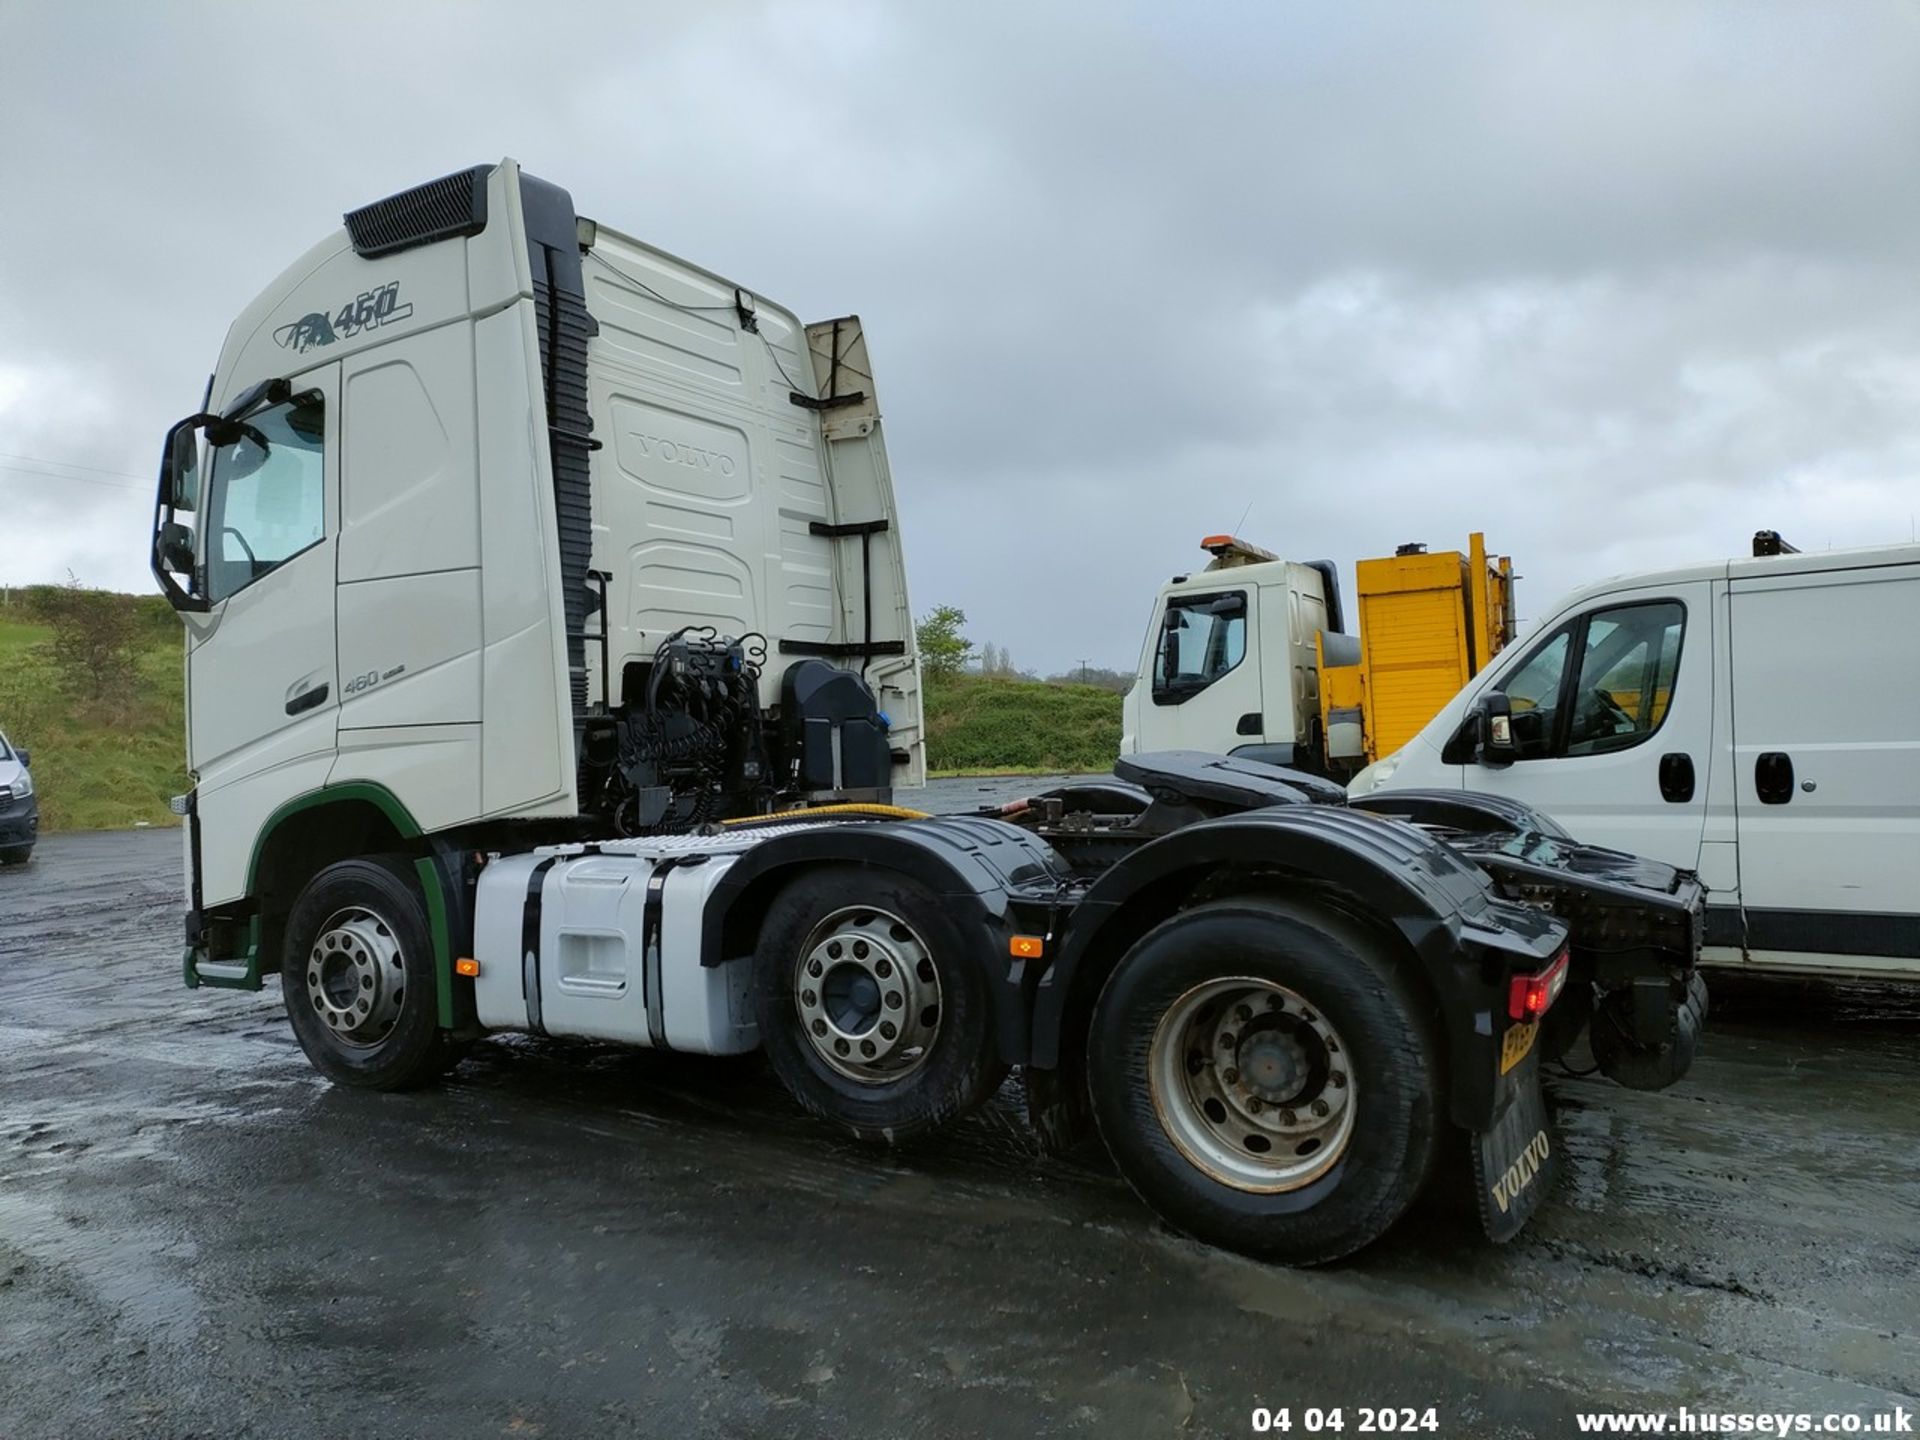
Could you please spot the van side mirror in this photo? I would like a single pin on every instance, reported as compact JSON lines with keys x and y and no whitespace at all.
{"x":25,"y":759}
{"x":1493,"y":731}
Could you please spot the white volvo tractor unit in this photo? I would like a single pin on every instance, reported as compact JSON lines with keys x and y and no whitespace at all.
{"x":550,"y":669}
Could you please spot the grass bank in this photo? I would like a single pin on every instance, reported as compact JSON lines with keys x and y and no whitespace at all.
{"x":97,"y":765}
{"x":988,"y":726}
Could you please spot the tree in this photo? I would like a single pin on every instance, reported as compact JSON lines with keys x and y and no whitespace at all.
{"x":92,"y":646}
{"x":944,"y":649}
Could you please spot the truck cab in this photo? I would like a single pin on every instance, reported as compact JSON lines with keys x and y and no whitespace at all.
{"x":1248,"y":657}
{"x":495,"y":517}
{"x":1229,"y":660}
{"x":1756,"y":720}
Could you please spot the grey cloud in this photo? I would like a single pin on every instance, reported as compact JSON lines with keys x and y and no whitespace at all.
{"x":1619,"y":283}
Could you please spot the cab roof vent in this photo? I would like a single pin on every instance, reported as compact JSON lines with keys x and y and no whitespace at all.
{"x":438,"y":210}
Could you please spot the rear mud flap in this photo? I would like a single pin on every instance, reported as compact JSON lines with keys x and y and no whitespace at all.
{"x":1515,"y":1160}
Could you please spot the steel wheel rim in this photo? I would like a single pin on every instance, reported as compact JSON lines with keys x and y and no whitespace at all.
{"x":1252,"y":1084}
{"x":356,"y":977}
{"x":868,"y":995}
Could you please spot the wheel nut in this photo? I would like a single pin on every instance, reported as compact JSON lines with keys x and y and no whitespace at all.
{"x":887,"y":1030}
{"x":883,"y":969}
{"x":820,"y":1027}
{"x":1319,"y":1108}
{"x":1230,"y":1075}
{"x":1254,"y":1105}
{"x":807,"y":997}
{"x":1274,"y":1002}
{"x":814,"y":968}
{"x":893,"y":1000}
{"x":1287,"y":1117}
{"x":1227,"y":1042}
{"x":1338,"y":1080}
{"x":1243,"y":1012}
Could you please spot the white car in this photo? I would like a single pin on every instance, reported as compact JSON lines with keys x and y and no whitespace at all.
{"x":19,"y":810}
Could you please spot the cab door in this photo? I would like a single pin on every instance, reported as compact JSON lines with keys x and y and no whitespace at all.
{"x":1203,"y":690}
{"x":262,"y":693}
{"x":1613,"y":719}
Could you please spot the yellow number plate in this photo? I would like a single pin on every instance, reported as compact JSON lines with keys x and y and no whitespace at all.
{"x":1518,"y":1042}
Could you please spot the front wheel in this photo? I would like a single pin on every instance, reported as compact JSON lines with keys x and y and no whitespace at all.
{"x":1266,"y":1079}
{"x":357,"y":977}
{"x":16,"y":857}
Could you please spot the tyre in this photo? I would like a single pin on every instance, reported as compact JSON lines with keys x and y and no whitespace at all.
{"x":1267,"y":1079}
{"x":357,"y":977}
{"x":872,"y":1010}
{"x":16,"y":857}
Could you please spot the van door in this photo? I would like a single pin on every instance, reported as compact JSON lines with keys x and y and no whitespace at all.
{"x":1613,"y":718}
{"x":263,"y":696}
{"x":1826,"y":756}
{"x":1204,"y":682}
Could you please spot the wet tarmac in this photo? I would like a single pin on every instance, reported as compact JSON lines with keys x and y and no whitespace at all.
{"x":198,"y":1236}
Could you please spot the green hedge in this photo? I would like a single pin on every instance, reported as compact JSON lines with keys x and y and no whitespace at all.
{"x":983,"y":723}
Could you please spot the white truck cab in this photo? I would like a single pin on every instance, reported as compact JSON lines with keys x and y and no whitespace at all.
{"x":1756,"y":720}
{"x":1229,"y":663}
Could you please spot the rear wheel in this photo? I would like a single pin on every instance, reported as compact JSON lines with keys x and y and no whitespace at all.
{"x":872,"y":1011}
{"x":16,"y":857}
{"x":1266,"y":1079}
{"x":357,"y":977}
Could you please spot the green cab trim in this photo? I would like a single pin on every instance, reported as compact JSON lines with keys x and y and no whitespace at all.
{"x":378,"y":796}
{"x":430,"y":888}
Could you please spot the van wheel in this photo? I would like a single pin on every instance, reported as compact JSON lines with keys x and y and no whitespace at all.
{"x":357,"y":976}
{"x":1266,"y":1079}
{"x":870,"y":1008}
{"x":16,"y":857}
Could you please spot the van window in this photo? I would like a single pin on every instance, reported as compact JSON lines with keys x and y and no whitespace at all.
{"x":1534,"y":691}
{"x":1202,"y":637}
{"x":267,"y":496}
{"x":1614,"y":698}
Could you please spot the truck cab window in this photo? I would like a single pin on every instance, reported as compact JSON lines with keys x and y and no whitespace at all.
{"x":1202,"y":637}
{"x":266,"y":498}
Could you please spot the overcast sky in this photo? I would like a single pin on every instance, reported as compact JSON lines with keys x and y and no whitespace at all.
{"x":1618,"y":284}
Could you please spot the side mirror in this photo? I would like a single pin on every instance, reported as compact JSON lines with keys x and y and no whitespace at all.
{"x":1171,"y":649}
{"x":181,"y":483}
{"x":1493,"y":725}
{"x":25,"y":759}
{"x":176,"y":547}
{"x":179,"y":489}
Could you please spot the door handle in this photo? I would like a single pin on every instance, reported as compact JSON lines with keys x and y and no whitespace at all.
{"x":1773,"y":777}
{"x":1249,"y":724}
{"x":307,"y":700}
{"x":1676,"y":778}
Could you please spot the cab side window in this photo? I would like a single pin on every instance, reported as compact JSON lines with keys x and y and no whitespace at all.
{"x":267,"y":495}
{"x":1202,"y":637}
{"x":1601,"y":683}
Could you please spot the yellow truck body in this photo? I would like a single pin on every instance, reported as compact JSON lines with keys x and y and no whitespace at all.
{"x":1428,"y":623}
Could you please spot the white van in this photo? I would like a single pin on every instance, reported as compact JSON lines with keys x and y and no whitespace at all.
{"x":1755,"y":720}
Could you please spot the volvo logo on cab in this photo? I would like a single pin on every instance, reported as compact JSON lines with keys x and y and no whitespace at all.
{"x":691,"y":456}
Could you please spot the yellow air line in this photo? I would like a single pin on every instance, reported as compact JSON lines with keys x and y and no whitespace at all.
{"x":784,"y":817}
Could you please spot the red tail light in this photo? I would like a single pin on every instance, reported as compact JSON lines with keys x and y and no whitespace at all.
{"x":1528,"y":996}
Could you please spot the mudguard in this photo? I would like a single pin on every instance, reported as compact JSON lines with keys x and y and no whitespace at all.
{"x":1514,"y":1158}
{"x":1468,"y":941}
{"x":1465,"y":810}
{"x":976,"y":865}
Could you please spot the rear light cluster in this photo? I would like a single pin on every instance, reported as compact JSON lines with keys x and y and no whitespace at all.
{"x":1529,"y":996}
